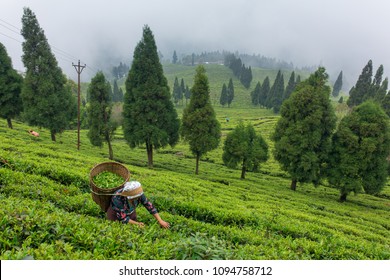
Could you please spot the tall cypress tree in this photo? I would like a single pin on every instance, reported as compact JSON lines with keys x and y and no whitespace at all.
{"x":230,"y":92}
{"x":174,"y":57}
{"x":290,"y":86}
{"x":265,"y":88}
{"x":255,"y":94}
{"x":116,"y":95}
{"x":176,"y":91}
{"x":149,"y":115}
{"x":303,"y":133}
{"x":47,"y":100}
{"x":101,"y":128}
{"x":358,"y":93}
{"x":183,"y":90}
{"x":276,"y":93}
{"x":223,"y":98}
{"x":338,"y":85}
{"x":10,"y":88}
{"x":200,"y":125}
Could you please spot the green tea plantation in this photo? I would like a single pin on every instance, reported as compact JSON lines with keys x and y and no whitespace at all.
{"x":47,"y":211}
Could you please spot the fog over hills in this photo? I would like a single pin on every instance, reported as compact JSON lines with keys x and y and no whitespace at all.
{"x":340,"y":35}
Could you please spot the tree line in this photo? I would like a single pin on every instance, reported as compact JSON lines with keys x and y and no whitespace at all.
{"x":243,"y":73}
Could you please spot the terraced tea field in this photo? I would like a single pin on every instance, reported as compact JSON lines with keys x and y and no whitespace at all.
{"x":47,"y":211}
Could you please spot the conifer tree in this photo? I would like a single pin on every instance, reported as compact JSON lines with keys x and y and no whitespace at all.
{"x":200,"y":126}
{"x":223,"y":98}
{"x":149,"y":117}
{"x":183,"y":90}
{"x":361,"y":145}
{"x":174,"y":57}
{"x":386,"y":104}
{"x":47,"y":100}
{"x":187,"y":93}
{"x":255,"y":94}
{"x":10,"y":88}
{"x":303,"y":133}
{"x":381,"y":91}
{"x":338,"y":85}
{"x":358,"y":93}
{"x":265,"y":88}
{"x":290,"y":86}
{"x":243,"y":146}
{"x":116,"y":94}
{"x":276,"y":93}
{"x":176,"y":91}
{"x":101,"y":128}
{"x":230,"y":92}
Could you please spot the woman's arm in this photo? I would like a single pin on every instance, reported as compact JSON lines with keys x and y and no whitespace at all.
{"x":162,"y":223}
{"x":136,"y":223}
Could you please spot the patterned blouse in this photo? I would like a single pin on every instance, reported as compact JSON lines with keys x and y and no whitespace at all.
{"x":124,"y":209}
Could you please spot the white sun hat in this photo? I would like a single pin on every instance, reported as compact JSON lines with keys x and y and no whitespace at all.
{"x":132,"y":189}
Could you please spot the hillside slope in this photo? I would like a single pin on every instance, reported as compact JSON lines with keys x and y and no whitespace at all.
{"x":47,"y":211}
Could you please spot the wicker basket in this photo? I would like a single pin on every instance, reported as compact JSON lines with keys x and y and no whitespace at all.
{"x":102,"y":196}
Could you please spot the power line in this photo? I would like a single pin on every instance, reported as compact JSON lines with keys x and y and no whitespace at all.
{"x":15,"y":27}
{"x":11,"y":37}
{"x":60,"y":53}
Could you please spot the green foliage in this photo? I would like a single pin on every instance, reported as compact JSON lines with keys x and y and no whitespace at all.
{"x":47,"y":100}
{"x":117,"y":93}
{"x":230,"y":92}
{"x":264,"y":93}
{"x":10,"y":88}
{"x":200,"y":126}
{"x":108,"y":180}
{"x":177,"y":92}
{"x":255,"y":94}
{"x":47,"y":211}
{"x":224,"y":97}
{"x":360,"y":149}
{"x":338,"y":85}
{"x":367,"y":87}
{"x":302,"y":135}
{"x":101,"y":128}
{"x":290,"y":86}
{"x":275,"y":96}
{"x":244,"y":146}
{"x":149,"y":115}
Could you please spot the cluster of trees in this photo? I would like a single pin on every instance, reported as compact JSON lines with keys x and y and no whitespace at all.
{"x":353,"y":158}
{"x":180,"y":91}
{"x":368,"y":87}
{"x":43,"y":97}
{"x":155,"y":124}
{"x":272,"y":97}
{"x":120,"y":71}
{"x":10,"y":88}
{"x":253,"y":60}
{"x":227,"y":93}
{"x":117,"y":92}
{"x":239,"y":69}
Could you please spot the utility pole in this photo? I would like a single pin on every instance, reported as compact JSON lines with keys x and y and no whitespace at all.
{"x":79,"y":69}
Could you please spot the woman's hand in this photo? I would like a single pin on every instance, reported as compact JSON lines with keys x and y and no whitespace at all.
{"x":141,"y":225}
{"x":164,"y":224}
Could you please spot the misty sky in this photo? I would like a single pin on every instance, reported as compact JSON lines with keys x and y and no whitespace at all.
{"x":338,"y":34}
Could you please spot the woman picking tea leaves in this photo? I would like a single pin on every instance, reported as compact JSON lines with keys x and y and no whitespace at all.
{"x":125,"y":201}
